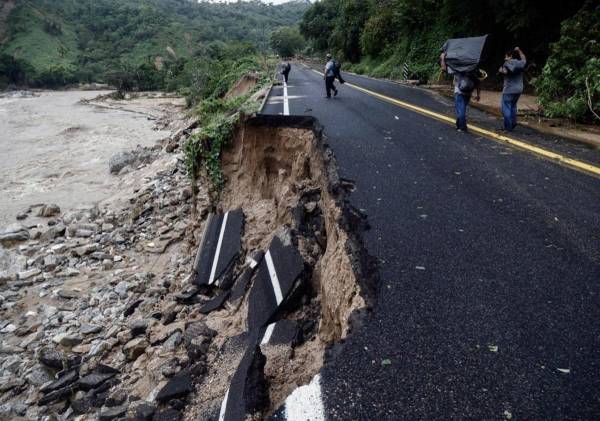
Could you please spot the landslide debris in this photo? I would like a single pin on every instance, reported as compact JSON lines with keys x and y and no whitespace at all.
{"x":101,"y":316}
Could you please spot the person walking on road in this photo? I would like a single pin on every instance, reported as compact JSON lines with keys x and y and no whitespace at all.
{"x":285,"y":70}
{"x":512,"y":69}
{"x":329,"y":76}
{"x":464,"y":85}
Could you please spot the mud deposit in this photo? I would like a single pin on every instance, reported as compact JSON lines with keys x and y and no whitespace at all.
{"x":103,"y":314}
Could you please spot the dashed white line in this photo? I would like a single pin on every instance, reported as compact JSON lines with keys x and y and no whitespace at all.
{"x":268,"y":333}
{"x":274,"y":279}
{"x":286,"y":102}
{"x":218,"y":251}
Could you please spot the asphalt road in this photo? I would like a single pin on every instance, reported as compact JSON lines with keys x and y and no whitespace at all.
{"x":488,"y":306}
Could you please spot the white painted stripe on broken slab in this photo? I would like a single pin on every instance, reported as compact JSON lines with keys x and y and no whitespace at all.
{"x":286,"y":101}
{"x":274,"y":279}
{"x":268,"y":333}
{"x":306,"y":403}
{"x":223,"y":407}
{"x":218,"y":250}
{"x":250,"y":261}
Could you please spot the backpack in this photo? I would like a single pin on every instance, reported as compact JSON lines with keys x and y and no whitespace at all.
{"x":466,"y":84}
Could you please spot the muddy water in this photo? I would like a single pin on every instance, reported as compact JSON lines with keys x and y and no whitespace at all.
{"x":55,"y":150}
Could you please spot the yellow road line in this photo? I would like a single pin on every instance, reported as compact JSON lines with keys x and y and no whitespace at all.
{"x":556,"y":157}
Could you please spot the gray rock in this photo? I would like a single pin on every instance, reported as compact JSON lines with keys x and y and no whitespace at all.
{"x":174,"y":341}
{"x":144,"y":411}
{"x":108,"y":414}
{"x":116,"y":398}
{"x":138,"y":327}
{"x":50,"y":263}
{"x":135,"y":347}
{"x":50,"y":357}
{"x":29,"y":273}
{"x":83,"y":233}
{"x":120,"y":160}
{"x":14,"y":233}
{"x":47,"y":211}
{"x":83,"y":250}
{"x":179,"y":386}
{"x":88,"y":329}
{"x":10,"y":382}
{"x":67,"y":340}
{"x":122,"y":288}
{"x":66,"y":380}
{"x":54,"y":232}
{"x":38,"y":375}
{"x":94,"y":380}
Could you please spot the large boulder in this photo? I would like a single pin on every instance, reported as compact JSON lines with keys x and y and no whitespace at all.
{"x":120,"y":160}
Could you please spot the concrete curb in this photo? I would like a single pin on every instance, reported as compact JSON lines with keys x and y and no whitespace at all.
{"x":265,"y":99}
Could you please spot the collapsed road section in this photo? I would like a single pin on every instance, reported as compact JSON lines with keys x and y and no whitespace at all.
{"x":284,"y":280}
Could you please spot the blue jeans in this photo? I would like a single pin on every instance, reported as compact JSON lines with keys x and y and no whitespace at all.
{"x":461,"y":102}
{"x":509,"y":110}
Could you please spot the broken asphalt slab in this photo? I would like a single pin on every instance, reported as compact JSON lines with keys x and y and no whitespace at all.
{"x":283,"y":332}
{"x":247,"y":394}
{"x":276,"y":278}
{"x":219,"y":247}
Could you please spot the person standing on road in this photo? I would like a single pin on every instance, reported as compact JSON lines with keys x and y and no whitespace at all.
{"x":329,"y":76}
{"x":285,"y":70}
{"x":512,"y":69}
{"x":464,"y":85}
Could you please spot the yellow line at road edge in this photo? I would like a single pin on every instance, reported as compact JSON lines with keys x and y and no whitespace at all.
{"x":573,"y":163}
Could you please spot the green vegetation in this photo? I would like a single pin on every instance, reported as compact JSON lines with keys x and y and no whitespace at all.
{"x":287,"y":41}
{"x":219,"y":116}
{"x":377,"y":37}
{"x":570,"y":79}
{"x":51,"y":43}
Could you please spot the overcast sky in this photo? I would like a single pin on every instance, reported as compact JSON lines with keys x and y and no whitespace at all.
{"x":264,"y":1}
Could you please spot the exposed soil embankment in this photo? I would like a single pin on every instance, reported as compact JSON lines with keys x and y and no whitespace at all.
{"x":279,"y":171}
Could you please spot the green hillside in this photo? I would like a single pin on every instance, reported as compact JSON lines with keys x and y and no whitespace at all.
{"x":49,"y":42}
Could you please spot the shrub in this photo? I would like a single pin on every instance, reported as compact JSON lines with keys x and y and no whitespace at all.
{"x":574,"y":58}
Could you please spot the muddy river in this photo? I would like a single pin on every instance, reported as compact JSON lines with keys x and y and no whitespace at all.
{"x":54,"y":149}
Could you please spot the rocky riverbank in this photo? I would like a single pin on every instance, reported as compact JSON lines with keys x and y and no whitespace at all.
{"x":70,"y":279}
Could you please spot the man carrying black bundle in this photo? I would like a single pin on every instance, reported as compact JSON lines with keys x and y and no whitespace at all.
{"x":512,"y":69}
{"x":464,"y":85}
{"x":329,"y":74}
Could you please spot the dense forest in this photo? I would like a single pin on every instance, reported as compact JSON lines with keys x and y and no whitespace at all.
{"x":561,"y":40}
{"x":156,"y":42}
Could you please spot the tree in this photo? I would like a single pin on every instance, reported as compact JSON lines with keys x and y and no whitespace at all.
{"x":570,"y":79}
{"x":286,"y":41}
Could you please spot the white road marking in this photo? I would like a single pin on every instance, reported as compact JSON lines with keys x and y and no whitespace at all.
{"x":218,"y":251}
{"x":306,"y":403}
{"x":286,"y":102}
{"x":250,"y":261}
{"x":268,"y":333}
{"x":223,"y":407}
{"x":274,"y":279}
